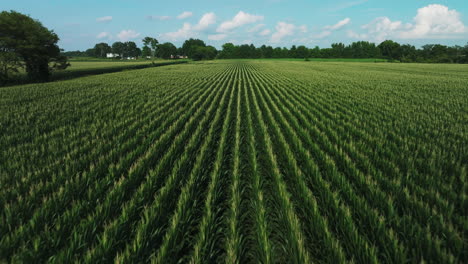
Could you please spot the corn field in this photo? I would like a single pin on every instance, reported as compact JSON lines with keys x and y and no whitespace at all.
{"x":238,"y":162}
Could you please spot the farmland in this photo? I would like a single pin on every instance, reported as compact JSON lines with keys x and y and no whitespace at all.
{"x":238,"y":161}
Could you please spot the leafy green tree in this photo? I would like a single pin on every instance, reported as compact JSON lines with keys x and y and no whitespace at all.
{"x":165,"y":50}
{"x":292,"y":52}
{"x":130,"y":49}
{"x":190,"y":46}
{"x":26,"y":39}
{"x":101,"y":49}
{"x":151,"y":43}
{"x":266,"y":51}
{"x":228,"y":51}
{"x":390,"y":49}
{"x":408,"y":53}
{"x":338,"y":50}
{"x":302,"y":52}
{"x":118,"y":48}
{"x":146,"y":52}
{"x":90,"y":52}
{"x":204,"y":53}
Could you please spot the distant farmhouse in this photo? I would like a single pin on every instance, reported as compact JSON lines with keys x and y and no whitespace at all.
{"x":115,"y":55}
{"x":112,"y":55}
{"x":178,"y":57}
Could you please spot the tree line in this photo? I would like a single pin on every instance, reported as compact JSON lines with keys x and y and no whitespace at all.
{"x":197,"y":49}
{"x":391,"y":50}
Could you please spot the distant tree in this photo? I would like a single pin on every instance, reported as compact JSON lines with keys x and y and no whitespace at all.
{"x":390,"y":49}
{"x":151,"y":43}
{"x":292,"y":53}
{"x":190,"y":46}
{"x":101,"y":49}
{"x":465,"y":54}
{"x":408,"y":53}
{"x":146,"y":52}
{"x":338,"y":50}
{"x":266,"y":51}
{"x":204,"y":53}
{"x":130,"y":49}
{"x":118,"y":48}
{"x":228,"y":51}
{"x":302,"y":52}
{"x":26,"y":39}
{"x":315,"y":52}
{"x":75,"y":53}
{"x":90,"y":52}
{"x":166,"y":50}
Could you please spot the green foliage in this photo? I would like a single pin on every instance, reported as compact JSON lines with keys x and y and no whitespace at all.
{"x":151,"y":44}
{"x":166,"y":50}
{"x":239,"y":161}
{"x":101,"y":50}
{"x":23,"y":38}
{"x":190,"y":46}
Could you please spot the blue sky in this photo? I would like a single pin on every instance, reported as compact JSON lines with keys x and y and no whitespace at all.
{"x":82,"y":23}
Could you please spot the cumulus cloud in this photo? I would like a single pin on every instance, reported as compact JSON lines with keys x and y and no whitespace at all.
{"x":160,"y":18}
{"x":217,"y":37}
{"x":188,"y":30}
{"x":432,"y":21}
{"x":239,"y":20}
{"x":206,"y":20}
{"x":339,"y":25}
{"x":184,"y":33}
{"x":265,"y":32}
{"x":382,"y":28}
{"x":435,"y":21}
{"x":185,"y":15}
{"x":103,"y":35}
{"x":104,"y":19}
{"x":355,"y":35}
{"x":126,"y":35}
{"x":283,"y":29}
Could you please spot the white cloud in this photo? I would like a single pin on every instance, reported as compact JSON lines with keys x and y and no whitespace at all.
{"x":339,"y":25}
{"x":430,"y":22}
{"x":283,"y":29}
{"x":434,"y":21}
{"x":126,"y":35}
{"x":188,"y":30}
{"x":382,"y":28}
{"x":103,"y":35}
{"x":239,"y":20}
{"x":184,"y":33}
{"x":185,"y":15}
{"x":255,"y":28}
{"x":303,"y":29}
{"x":265,"y":32}
{"x":206,"y":20}
{"x":353,"y":34}
{"x":160,"y":18}
{"x":104,"y":19}
{"x":217,"y":37}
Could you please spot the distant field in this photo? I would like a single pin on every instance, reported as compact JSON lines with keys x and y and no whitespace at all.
{"x":254,"y":161}
{"x":331,"y":60}
{"x":80,"y":65}
{"x":79,"y":68}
